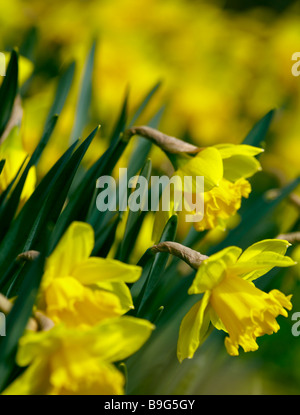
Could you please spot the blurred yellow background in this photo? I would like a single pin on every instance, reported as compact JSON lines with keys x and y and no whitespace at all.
{"x":222,"y":69}
{"x":223,"y":66}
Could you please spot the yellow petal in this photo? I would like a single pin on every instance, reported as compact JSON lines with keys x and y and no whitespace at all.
{"x":64,"y":364}
{"x":193,"y":329}
{"x":33,"y":381}
{"x":74,"y":247}
{"x":207,"y":163}
{"x":35,"y":344}
{"x":76,"y":372}
{"x":216,"y":321}
{"x":229,"y":150}
{"x":70,"y":302}
{"x":121,"y":290}
{"x":261,"y":257}
{"x":118,"y":338}
{"x":240,"y":166}
{"x":212,"y":271}
{"x":95,"y":270}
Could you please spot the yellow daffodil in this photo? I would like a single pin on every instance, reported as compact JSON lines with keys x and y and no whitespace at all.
{"x":225,"y":168}
{"x":224,"y":200}
{"x":12,"y":151}
{"x":66,"y":361}
{"x":81,"y":290}
{"x":230,"y":300}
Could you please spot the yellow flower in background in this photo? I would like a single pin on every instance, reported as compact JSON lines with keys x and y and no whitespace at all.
{"x":231,"y":302}
{"x":78,"y":362}
{"x":80,"y":290}
{"x":12,"y":151}
{"x":225,"y":169}
{"x":211,"y":101}
{"x":224,"y":200}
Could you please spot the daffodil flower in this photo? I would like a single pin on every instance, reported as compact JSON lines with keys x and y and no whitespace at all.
{"x":225,"y":168}
{"x":230,"y":300}
{"x":65,"y":361}
{"x":81,"y":290}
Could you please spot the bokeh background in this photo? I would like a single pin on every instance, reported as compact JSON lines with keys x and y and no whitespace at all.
{"x":222,"y":65}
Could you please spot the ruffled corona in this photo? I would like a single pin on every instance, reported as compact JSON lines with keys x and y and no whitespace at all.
{"x":247,"y":312}
{"x":222,"y":202}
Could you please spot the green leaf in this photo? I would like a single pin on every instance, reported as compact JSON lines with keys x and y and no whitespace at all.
{"x":105,"y":237}
{"x":15,"y":239}
{"x":143,"y":105}
{"x":258,"y":133}
{"x":137,"y":159}
{"x":8,"y":91}
{"x":134,"y":219}
{"x":78,"y":206}
{"x":56,"y":198}
{"x":62,"y":92}
{"x":42,"y":207}
{"x":121,"y":120}
{"x":84,"y":100}
{"x":48,"y":130}
{"x":2,"y":163}
{"x":151,"y":280}
{"x":29,"y":43}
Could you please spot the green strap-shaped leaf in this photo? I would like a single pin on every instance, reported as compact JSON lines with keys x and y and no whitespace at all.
{"x":152,"y":278}
{"x":28,"y":45}
{"x":99,"y":220}
{"x":9,"y":205}
{"x":78,"y":206}
{"x":105,"y":237}
{"x":84,"y":100}
{"x":16,"y":237}
{"x":57,"y":196}
{"x":2,"y":162}
{"x":8,"y":91}
{"x":62,"y":92}
{"x":121,"y":120}
{"x":258,"y":133}
{"x":143,"y":105}
{"x":42,"y":207}
{"x":133,"y":219}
